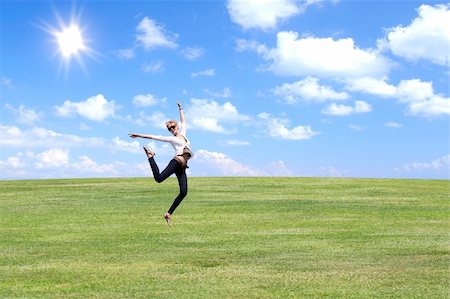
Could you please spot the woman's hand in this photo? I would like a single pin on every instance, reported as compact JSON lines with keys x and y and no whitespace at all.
{"x":133,"y":135}
{"x":181,"y":113}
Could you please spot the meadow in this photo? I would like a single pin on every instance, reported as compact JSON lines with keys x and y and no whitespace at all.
{"x":231,"y":238}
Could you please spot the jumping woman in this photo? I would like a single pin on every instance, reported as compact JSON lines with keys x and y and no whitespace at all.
{"x":178,"y":164}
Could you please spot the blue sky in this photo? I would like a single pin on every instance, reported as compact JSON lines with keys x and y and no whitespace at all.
{"x":270,"y":88}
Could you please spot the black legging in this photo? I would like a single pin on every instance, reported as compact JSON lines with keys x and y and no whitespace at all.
{"x":180,"y":172}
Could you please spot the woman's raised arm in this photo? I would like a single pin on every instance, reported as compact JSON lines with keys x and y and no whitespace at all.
{"x":182,"y":119}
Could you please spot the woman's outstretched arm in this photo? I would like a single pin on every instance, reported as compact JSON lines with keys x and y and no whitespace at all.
{"x":146,"y":136}
{"x":134,"y":135}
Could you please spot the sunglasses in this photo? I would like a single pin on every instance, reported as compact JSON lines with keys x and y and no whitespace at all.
{"x":171,"y":127}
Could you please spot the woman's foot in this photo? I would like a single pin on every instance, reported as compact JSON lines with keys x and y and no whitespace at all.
{"x":168,"y":219}
{"x":148,"y":152}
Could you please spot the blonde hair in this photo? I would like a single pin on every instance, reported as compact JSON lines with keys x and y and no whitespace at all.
{"x":171,"y":122}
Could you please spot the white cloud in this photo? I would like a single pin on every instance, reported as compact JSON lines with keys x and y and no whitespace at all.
{"x":152,"y":67}
{"x":88,"y":166}
{"x":427,"y":37}
{"x":95,"y":108}
{"x":418,"y":95}
{"x":126,"y":54}
{"x":319,"y":57}
{"x":392,"y":124}
{"x":421,"y":99}
{"x":207,"y":163}
{"x":84,"y":127}
{"x":208,"y":123}
{"x":225,"y":93}
{"x":6,"y":82}
{"x":25,"y":115}
{"x":337,"y":109}
{"x":147,"y":100}
{"x":156,"y":119}
{"x":374,"y":86}
{"x":14,"y":167}
{"x":252,"y":45}
{"x":52,"y":158}
{"x":356,"y":128}
{"x":261,"y":14}
{"x":15,"y":162}
{"x":235,"y":142}
{"x":212,"y":116}
{"x":56,"y":163}
{"x":329,"y":171}
{"x":441,"y":163}
{"x":13,"y":136}
{"x":28,"y":116}
{"x":277,"y":168}
{"x":192,"y":53}
{"x":266,"y":14}
{"x":214,"y":163}
{"x":433,"y":107}
{"x":307,"y":90}
{"x":122,"y":145}
{"x":207,"y":73}
{"x":414,"y":90}
{"x":342,"y":110}
{"x":278,"y":128}
{"x":152,"y":35}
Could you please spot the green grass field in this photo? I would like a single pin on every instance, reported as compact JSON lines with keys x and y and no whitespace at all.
{"x":232,"y":238}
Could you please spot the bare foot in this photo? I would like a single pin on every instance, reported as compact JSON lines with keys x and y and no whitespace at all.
{"x":148,"y":152}
{"x":168,"y":219}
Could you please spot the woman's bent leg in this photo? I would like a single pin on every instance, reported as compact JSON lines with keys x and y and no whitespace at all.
{"x":167,"y":172}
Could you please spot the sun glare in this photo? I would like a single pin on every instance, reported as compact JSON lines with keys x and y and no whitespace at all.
{"x":70,"y":41}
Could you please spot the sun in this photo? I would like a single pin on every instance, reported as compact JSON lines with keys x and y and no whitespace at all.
{"x":70,"y":41}
{"x":71,"y":44}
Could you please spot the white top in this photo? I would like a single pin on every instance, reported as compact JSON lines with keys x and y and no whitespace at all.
{"x":178,"y":143}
